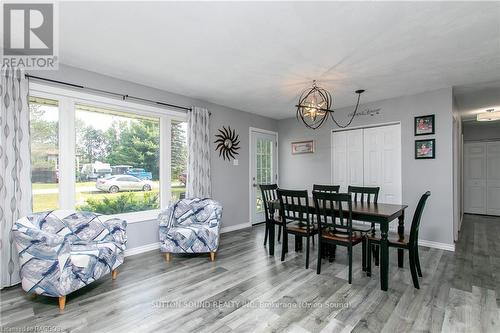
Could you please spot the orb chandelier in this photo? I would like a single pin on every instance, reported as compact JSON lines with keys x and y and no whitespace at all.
{"x":314,"y":107}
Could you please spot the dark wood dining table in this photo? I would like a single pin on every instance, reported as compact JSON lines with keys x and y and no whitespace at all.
{"x":381,"y":214}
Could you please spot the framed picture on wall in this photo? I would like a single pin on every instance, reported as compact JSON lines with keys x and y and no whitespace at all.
{"x":425,"y":149}
{"x":424,"y":125}
{"x":303,"y":147}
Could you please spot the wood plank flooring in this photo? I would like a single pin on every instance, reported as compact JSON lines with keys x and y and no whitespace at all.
{"x":245,"y":290}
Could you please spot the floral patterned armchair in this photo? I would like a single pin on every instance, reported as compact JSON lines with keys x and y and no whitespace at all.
{"x":62,"y":251}
{"x":190,"y":226}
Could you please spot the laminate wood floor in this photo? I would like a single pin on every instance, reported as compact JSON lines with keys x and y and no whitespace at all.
{"x":245,"y":290}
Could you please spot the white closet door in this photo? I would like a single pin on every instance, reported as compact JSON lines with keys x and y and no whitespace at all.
{"x":475,"y":178}
{"x":355,"y":157}
{"x":347,"y":158}
{"x":493,"y":178}
{"x":382,"y":162}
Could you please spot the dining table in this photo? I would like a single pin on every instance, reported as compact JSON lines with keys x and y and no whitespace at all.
{"x":379,"y":213}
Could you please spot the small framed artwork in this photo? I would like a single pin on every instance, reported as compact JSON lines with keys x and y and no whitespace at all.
{"x":302,"y":147}
{"x":424,"y":125}
{"x":425,"y":149}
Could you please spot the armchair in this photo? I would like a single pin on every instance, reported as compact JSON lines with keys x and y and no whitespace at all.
{"x":190,"y":226}
{"x":62,"y":251}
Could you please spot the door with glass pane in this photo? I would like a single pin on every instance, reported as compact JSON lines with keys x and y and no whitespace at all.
{"x":263,"y":169}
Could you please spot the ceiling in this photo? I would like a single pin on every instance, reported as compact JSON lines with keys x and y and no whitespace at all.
{"x":259,"y":56}
{"x":477,"y":98}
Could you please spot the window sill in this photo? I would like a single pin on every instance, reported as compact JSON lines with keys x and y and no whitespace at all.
{"x":137,"y":217}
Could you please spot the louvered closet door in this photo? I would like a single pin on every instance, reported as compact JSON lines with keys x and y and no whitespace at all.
{"x":382,"y":162}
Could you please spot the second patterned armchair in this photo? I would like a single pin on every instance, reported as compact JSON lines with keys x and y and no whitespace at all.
{"x":190,"y":226}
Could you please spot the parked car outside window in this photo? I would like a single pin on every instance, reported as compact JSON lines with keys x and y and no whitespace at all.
{"x":115,"y":184}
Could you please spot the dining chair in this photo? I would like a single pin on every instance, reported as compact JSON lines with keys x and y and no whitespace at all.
{"x":294,"y":212}
{"x":269,"y":194}
{"x":326,"y":188}
{"x":409,"y":243}
{"x":367,"y":195}
{"x":336,"y":227}
{"x":328,"y":251}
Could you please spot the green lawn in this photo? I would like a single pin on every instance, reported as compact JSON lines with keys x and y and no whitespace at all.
{"x":48,"y":201}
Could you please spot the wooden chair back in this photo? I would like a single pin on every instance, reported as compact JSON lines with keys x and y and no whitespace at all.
{"x":337,"y":220}
{"x":294,"y":205}
{"x":326,"y":188}
{"x":415,"y":223}
{"x":268,"y":193}
{"x":364,"y":194}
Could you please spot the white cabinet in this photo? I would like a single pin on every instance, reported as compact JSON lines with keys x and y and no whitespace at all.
{"x":369,"y":157}
{"x":482,"y":178}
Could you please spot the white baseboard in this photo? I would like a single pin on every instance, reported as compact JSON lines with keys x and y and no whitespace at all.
{"x":437,"y":245}
{"x":235,"y":227}
{"x":142,"y":249}
{"x":155,"y":246}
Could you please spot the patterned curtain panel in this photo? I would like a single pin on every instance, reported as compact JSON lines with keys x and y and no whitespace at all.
{"x":15,"y":166}
{"x":198,"y":177}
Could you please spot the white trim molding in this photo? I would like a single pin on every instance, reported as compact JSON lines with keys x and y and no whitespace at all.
{"x":142,"y":249}
{"x":156,"y":245}
{"x":235,"y":227}
{"x":437,"y":245}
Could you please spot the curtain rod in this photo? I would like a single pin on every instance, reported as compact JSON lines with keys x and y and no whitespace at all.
{"x":122,"y":96}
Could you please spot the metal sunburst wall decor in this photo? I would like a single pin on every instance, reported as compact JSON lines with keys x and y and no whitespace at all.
{"x":227,"y":143}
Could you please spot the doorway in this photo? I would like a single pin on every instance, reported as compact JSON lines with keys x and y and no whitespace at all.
{"x":263,"y":168}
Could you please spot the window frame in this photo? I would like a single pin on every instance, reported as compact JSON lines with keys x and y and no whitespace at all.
{"x":68,"y":99}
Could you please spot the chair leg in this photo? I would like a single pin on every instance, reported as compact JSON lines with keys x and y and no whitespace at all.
{"x":320,"y":249}
{"x":363,"y":255}
{"x":62,"y":302}
{"x":114,"y":274}
{"x":307,"y":252}
{"x":266,"y":234}
{"x":369,"y":260}
{"x":331,"y":252}
{"x":212,"y":256}
{"x":323,"y":249}
{"x":413,"y":269}
{"x":349,"y":253}
{"x":417,"y":263}
{"x":284,"y":245}
{"x":375,"y":251}
{"x":168,"y":256}
{"x":279,"y":233}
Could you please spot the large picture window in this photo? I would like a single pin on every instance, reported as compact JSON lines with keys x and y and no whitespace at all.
{"x":44,"y":128}
{"x":115,"y":158}
{"x":117,"y":161}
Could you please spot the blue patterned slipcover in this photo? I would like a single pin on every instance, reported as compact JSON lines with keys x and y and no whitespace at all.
{"x":61,"y":251}
{"x":190,"y":226}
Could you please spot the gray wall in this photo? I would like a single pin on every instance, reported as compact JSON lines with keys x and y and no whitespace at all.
{"x":301,"y":171}
{"x":230,"y":183}
{"x":474,"y":131}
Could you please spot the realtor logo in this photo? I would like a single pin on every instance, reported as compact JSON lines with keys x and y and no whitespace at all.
{"x":29,"y":35}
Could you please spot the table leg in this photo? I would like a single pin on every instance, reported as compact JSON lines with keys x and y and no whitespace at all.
{"x":401,"y":233}
{"x":271,"y":232}
{"x":384,"y":257}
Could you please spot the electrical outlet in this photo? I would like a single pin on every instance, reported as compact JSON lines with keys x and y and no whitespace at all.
{"x":236,"y":162}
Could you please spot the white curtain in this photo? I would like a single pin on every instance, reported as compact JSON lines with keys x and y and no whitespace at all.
{"x":15,"y":166}
{"x":198,"y":177}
